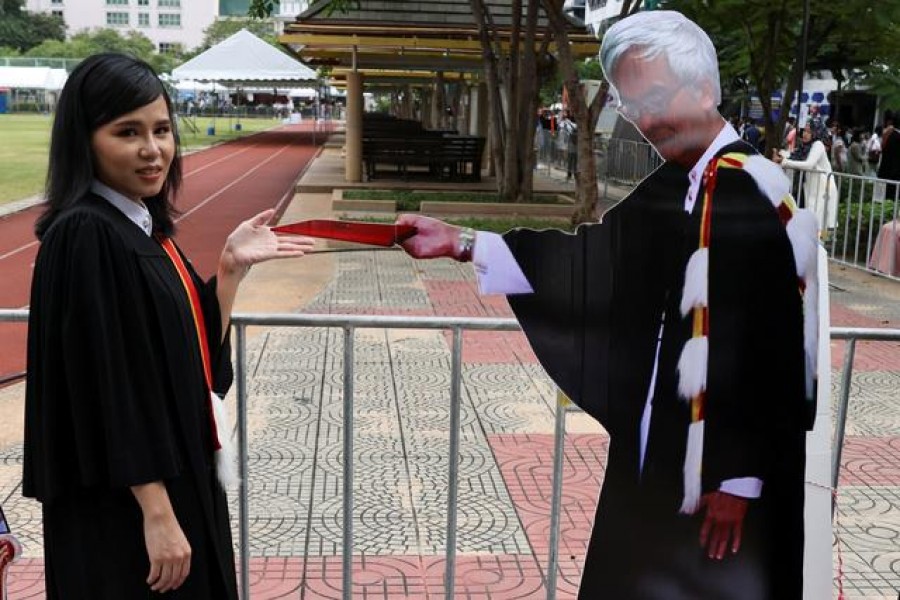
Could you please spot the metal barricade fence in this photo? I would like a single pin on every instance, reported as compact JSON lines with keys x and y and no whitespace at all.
{"x":623,"y":162}
{"x":349,"y":324}
{"x":860,"y":217}
{"x":864,"y":216}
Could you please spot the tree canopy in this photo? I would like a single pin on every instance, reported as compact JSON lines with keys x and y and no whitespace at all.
{"x":221,"y":29}
{"x":86,"y":43}
{"x":23,"y":30}
{"x":759,"y":42}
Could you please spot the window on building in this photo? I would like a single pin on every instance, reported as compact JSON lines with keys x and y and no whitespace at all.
{"x":117,"y":2}
{"x":169,"y":3}
{"x":169,"y":20}
{"x":169,"y":48}
{"x":143,"y":2}
{"x":117,"y":19}
{"x":57,"y":13}
{"x":56,"y":1}
{"x":143,"y":19}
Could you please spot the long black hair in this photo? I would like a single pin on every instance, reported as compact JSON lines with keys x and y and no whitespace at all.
{"x":101,"y":88}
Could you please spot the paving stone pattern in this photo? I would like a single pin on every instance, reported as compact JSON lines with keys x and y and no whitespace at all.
{"x":400,"y":468}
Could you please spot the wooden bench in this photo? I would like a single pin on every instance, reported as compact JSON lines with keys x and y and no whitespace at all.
{"x":443,"y":157}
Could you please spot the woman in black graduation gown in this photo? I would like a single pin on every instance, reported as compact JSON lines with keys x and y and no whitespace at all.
{"x":120,"y":436}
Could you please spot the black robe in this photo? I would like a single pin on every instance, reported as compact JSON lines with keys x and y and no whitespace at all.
{"x":594,"y":321}
{"x":116,"y":397}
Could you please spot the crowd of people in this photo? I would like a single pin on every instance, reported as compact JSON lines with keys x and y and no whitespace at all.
{"x":849,"y":149}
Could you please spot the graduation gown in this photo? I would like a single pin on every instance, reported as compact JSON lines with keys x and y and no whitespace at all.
{"x":116,"y":397}
{"x":601,"y":296}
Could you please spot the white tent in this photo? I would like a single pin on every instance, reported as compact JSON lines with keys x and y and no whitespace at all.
{"x":32,"y":78}
{"x":244,"y":58}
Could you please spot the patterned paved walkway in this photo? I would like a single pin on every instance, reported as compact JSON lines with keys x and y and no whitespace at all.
{"x":402,"y":383}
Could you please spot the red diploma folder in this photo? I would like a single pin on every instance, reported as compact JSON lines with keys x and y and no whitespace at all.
{"x":376,"y":234}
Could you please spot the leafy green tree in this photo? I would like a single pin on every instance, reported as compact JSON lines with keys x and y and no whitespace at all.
{"x":759,"y":43}
{"x":262,"y":9}
{"x":221,"y":29}
{"x":22,"y":30}
{"x":88,"y":42}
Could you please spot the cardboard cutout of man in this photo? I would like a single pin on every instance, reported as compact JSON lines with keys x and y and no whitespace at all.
{"x":685,"y":323}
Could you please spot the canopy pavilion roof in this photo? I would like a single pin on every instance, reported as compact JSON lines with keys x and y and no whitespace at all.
{"x":405,"y":41}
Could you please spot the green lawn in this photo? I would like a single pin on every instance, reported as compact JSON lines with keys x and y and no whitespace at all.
{"x":26,"y":141}
{"x":23,"y":155}
{"x":224,"y":128}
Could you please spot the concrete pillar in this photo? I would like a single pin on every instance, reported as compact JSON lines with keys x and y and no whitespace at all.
{"x":478,"y":121}
{"x":353,"y":158}
{"x":478,"y":109}
{"x":408,"y":111}
{"x":425,"y":107}
{"x":437,"y":102}
{"x":463,"y":104}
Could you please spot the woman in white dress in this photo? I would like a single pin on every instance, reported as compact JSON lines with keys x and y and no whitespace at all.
{"x":818,"y":189}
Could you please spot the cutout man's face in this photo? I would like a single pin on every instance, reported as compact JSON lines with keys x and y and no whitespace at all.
{"x":663,"y":108}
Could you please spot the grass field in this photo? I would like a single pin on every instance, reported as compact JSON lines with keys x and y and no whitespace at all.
{"x":23,"y":155}
{"x":26,"y":141}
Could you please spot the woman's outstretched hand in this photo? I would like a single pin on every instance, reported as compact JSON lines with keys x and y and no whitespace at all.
{"x":433,"y":239}
{"x":253,"y":241}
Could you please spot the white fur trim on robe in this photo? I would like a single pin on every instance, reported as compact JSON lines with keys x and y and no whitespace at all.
{"x":696,"y":282}
{"x":692,"y":367}
{"x":693,"y":462}
{"x":226,"y":456}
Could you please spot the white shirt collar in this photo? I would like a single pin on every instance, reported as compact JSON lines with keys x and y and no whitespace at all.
{"x":135,"y":211}
{"x":727,"y":135}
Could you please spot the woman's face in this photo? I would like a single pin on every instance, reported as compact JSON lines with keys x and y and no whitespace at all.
{"x":807,"y":135}
{"x":133,"y":152}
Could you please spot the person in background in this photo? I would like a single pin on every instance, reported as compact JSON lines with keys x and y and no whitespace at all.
{"x":568,"y":141}
{"x":816,"y":123}
{"x":856,"y":154}
{"x":873,"y":150}
{"x":669,"y":321}
{"x":889,"y":167}
{"x":818,"y":189}
{"x":838,"y":147}
{"x":751,"y":132}
{"x":790,"y":134}
{"x":126,"y":443}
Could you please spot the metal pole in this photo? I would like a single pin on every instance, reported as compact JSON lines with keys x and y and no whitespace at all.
{"x":348,"y":464}
{"x":805,"y":43}
{"x":559,"y":438}
{"x":841,"y":423}
{"x":244,"y":504}
{"x":453,"y":459}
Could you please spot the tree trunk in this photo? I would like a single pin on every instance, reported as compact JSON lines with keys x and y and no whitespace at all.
{"x":495,"y":105}
{"x":513,"y":83}
{"x":587,"y":195}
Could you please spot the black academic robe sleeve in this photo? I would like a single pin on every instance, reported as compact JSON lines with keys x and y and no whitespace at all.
{"x":755,"y":386}
{"x":594,"y":316}
{"x":97,"y":410}
{"x":566,"y":319}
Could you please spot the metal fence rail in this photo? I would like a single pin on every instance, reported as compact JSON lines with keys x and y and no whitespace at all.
{"x":865,"y":213}
{"x":349,"y":324}
{"x":865,"y":210}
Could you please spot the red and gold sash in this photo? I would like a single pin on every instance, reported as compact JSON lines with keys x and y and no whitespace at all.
{"x":199,"y":325}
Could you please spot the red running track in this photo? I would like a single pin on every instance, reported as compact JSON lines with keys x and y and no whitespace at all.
{"x":223,"y":186}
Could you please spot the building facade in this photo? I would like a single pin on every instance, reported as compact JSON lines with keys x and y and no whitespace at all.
{"x":170,"y":24}
{"x":286,"y":10}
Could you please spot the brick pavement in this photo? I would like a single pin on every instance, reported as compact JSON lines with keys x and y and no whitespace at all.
{"x":402,"y":383}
